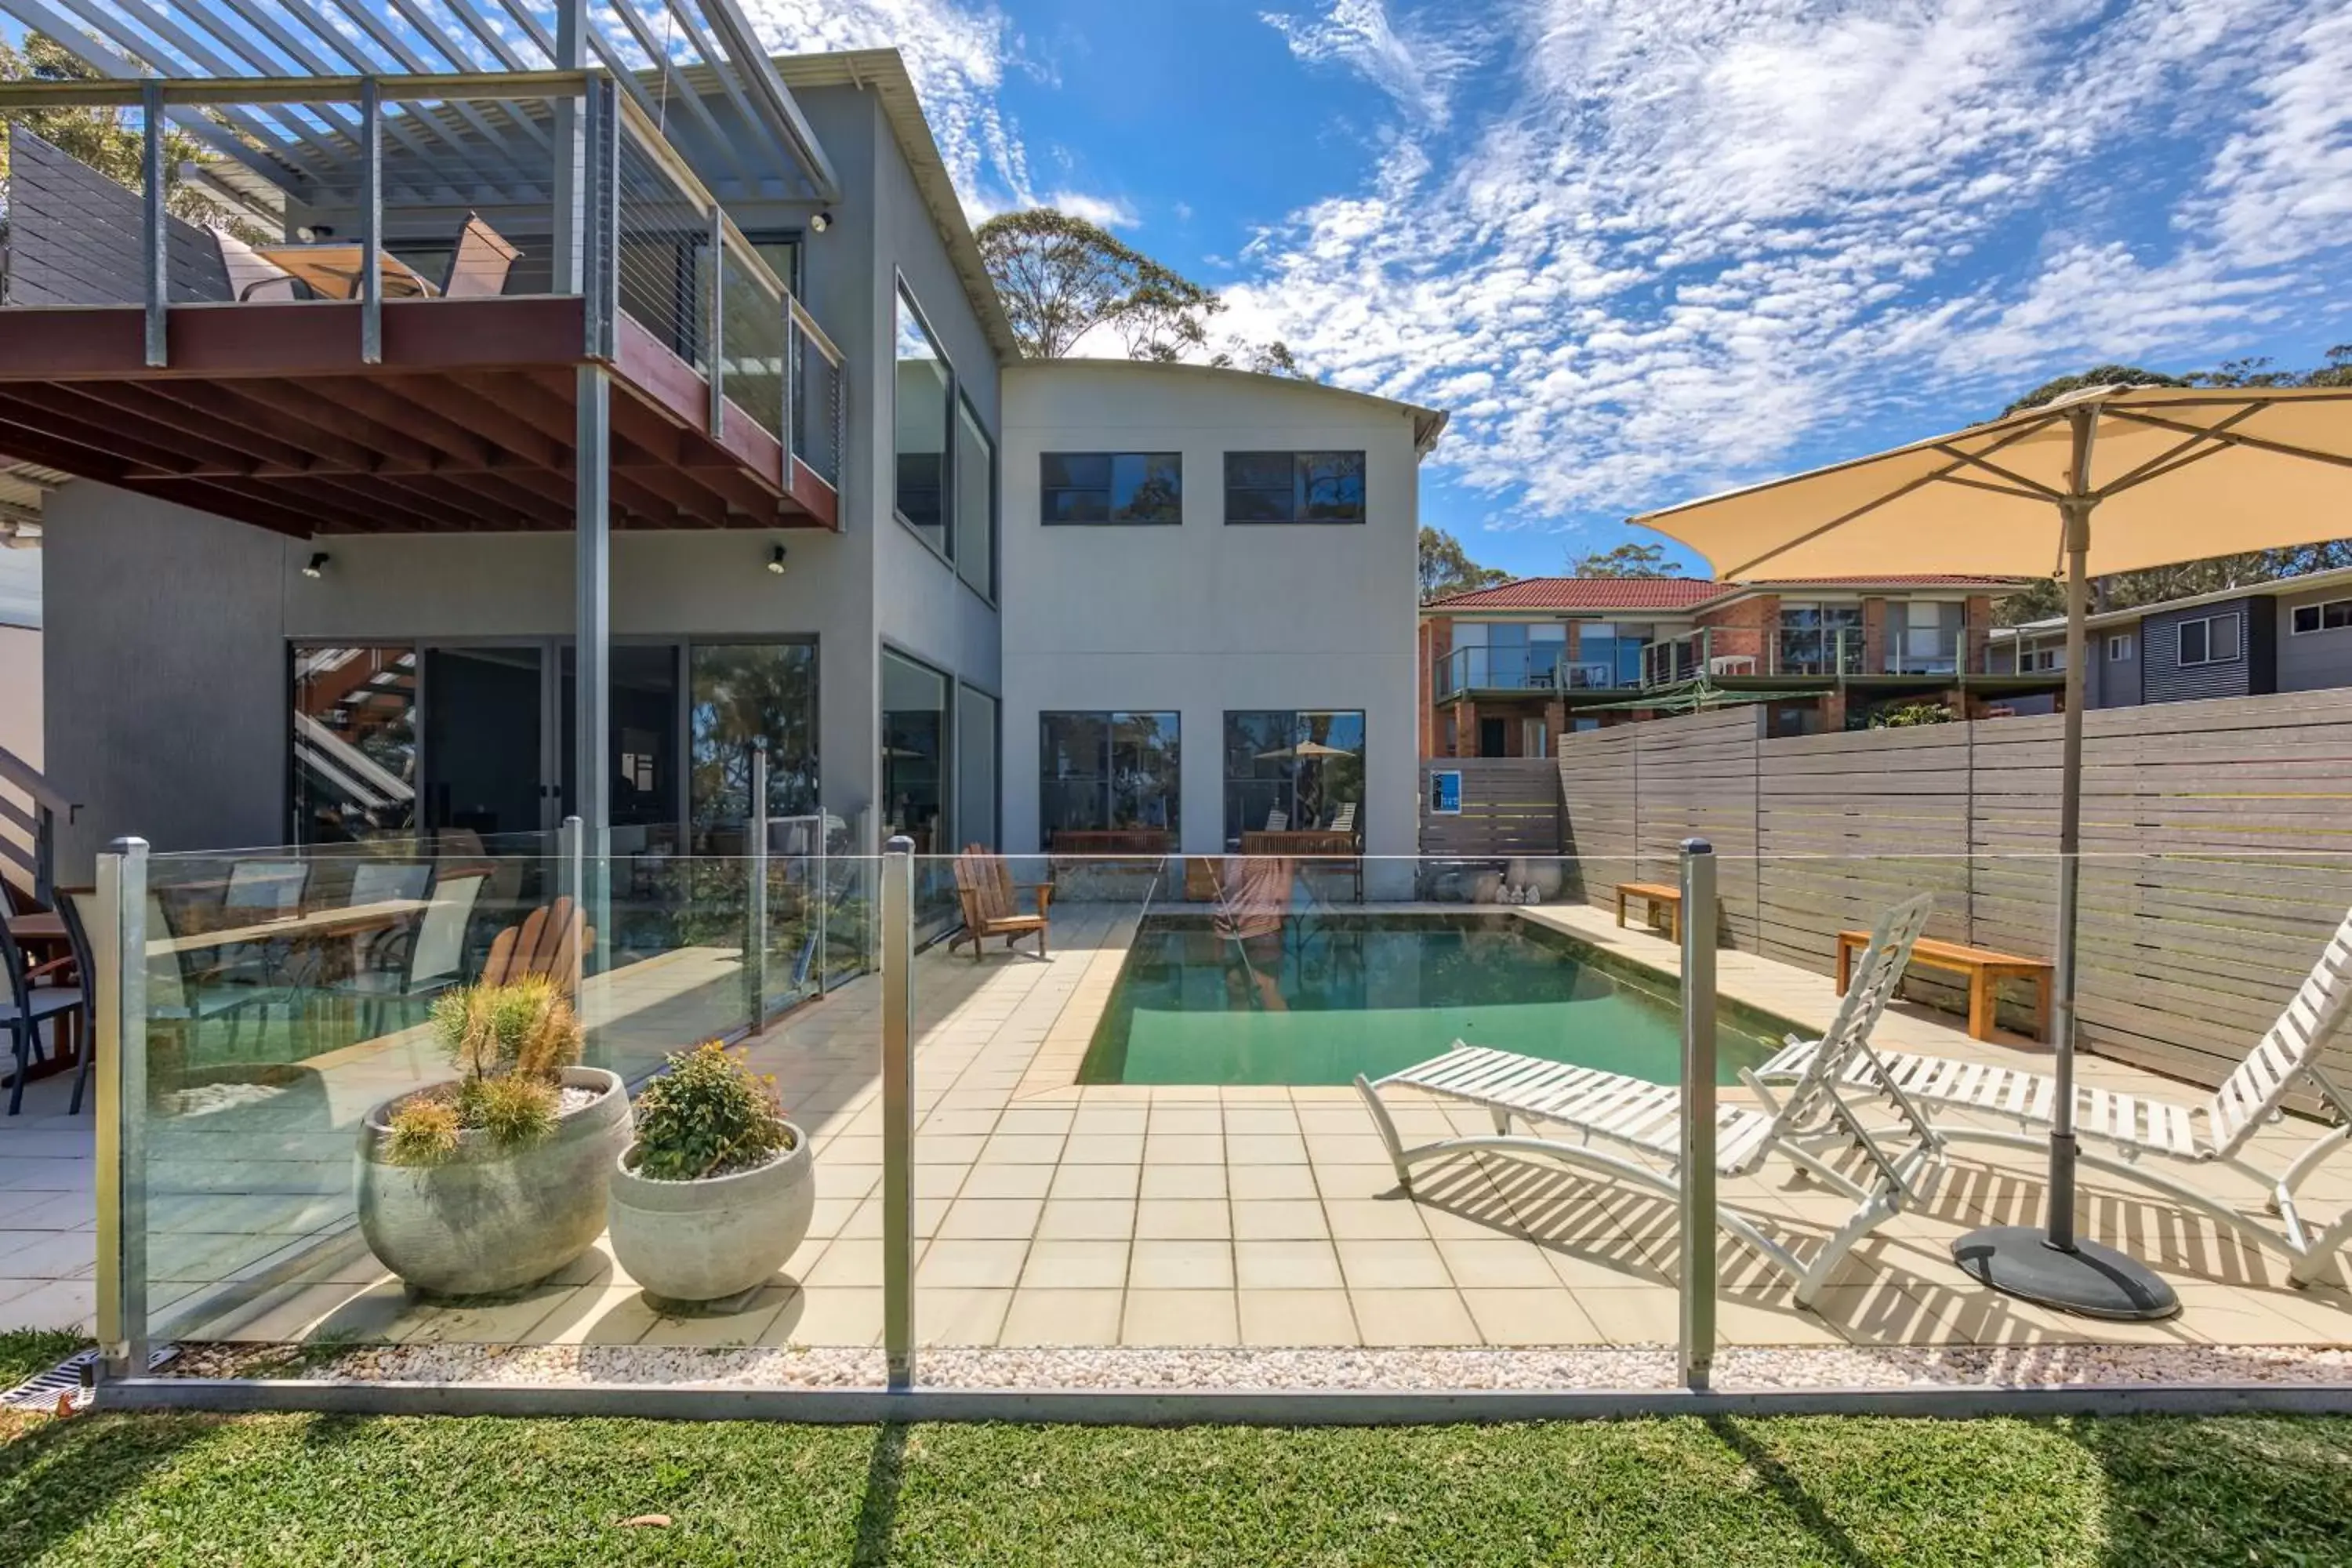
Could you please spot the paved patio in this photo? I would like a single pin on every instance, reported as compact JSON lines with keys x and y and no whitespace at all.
{"x":1050,"y":1214}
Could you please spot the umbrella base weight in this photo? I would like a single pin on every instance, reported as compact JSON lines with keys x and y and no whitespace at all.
{"x":2091,"y":1280}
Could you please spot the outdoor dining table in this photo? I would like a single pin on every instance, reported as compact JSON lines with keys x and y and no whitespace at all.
{"x":332,"y":269}
{"x":345,"y":920}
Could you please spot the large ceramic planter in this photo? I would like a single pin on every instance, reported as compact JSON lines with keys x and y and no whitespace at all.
{"x":490,"y":1219}
{"x":704,"y":1241}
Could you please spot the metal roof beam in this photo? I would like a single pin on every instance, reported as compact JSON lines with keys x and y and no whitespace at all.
{"x":781,"y":109}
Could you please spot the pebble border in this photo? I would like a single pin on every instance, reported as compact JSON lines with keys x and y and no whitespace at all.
{"x":1626,"y":1369}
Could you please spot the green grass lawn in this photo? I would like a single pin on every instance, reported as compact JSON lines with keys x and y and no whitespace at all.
{"x":161,"y":1489}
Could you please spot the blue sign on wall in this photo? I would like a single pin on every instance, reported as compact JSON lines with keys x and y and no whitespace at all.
{"x":1445,"y":794}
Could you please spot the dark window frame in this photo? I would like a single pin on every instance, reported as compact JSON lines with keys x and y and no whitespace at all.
{"x":2318,"y":610}
{"x":1108,"y":491}
{"x":1108,"y":777}
{"x":958,"y":398}
{"x":2206,"y":622}
{"x":1282,"y":782}
{"x":1301,"y":483}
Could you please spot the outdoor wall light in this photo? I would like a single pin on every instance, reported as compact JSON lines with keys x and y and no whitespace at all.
{"x":317,"y":565}
{"x":776,"y":561}
{"x":820,"y":222}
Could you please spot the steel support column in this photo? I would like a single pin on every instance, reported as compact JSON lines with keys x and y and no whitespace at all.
{"x":591,"y":621}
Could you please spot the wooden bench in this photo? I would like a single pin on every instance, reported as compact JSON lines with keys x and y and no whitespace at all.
{"x":1658,"y":896}
{"x":1984,"y":968}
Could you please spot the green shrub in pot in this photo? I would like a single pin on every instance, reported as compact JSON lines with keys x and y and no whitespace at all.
{"x":719,"y":1188}
{"x":497,"y":1178}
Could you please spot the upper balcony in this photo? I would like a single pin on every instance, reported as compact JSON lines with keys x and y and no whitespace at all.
{"x":361,"y":304}
{"x":1733,"y":654}
{"x":1539,"y":666}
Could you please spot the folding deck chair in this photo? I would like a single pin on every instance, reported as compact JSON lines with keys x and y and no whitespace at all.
{"x":2141,"y":1129}
{"x":1646,"y":1117}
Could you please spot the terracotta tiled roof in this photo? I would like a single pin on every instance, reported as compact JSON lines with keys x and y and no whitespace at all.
{"x":1587,"y":594}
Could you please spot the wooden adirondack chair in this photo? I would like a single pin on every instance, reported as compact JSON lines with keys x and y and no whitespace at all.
{"x":550,"y":942}
{"x":985,"y":888}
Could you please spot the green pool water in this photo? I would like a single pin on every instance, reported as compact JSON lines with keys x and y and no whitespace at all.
{"x":1339,"y":995}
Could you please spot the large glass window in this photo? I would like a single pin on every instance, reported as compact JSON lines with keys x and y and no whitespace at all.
{"x":1299,"y":771}
{"x":915,"y":755}
{"x":1294,"y":486}
{"x":644,"y":776}
{"x":354,"y":743}
{"x":742,"y":693}
{"x":976,"y":508}
{"x":1111,"y":486}
{"x":976,"y":765}
{"x":1108,"y":772}
{"x":2210,"y":640}
{"x":922,"y":413}
{"x":1820,"y":639}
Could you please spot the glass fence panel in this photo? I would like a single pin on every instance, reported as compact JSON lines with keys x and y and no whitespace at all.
{"x":306,"y":1005}
{"x":1364,"y":1103}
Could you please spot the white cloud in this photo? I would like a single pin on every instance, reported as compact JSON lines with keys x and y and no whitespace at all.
{"x":1109,"y":212}
{"x":957,"y":55}
{"x":1678,"y":244}
{"x":1414,"y":64}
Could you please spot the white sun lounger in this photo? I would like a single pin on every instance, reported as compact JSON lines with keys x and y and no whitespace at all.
{"x":2144,"y":1131}
{"x":1645,"y":1118}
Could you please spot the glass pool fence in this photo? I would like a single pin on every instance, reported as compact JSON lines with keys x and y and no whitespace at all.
{"x":1670,"y":1100}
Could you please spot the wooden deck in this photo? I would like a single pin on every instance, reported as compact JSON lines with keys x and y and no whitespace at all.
{"x":268,"y":413}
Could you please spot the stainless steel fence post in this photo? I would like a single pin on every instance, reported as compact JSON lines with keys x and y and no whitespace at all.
{"x":572,"y":882}
{"x":755,"y":913}
{"x":119,"y":935}
{"x":898,"y":1110}
{"x":1698,"y":1111}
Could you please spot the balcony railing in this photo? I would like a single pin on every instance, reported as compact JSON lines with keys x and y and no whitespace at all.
{"x":1544,"y":668}
{"x":268,"y":191}
{"x":1840,"y":653}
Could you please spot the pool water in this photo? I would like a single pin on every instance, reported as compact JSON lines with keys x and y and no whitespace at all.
{"x":1335,"y":996}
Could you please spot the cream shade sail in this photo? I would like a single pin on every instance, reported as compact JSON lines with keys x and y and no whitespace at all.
{"x":2177,"y":474}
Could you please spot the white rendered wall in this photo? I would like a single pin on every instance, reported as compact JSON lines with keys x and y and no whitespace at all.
{"x":1204,"y":617}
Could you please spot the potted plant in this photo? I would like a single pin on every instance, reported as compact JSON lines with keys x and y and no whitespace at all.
{"x":718,"y":1189}
{"x":496,"y":1180}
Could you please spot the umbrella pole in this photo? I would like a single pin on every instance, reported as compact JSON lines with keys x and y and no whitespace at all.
{"x":2063,"y":1143}
{"x":2051,"y":1265}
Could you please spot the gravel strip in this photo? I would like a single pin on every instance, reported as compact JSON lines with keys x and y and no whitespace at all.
{"x":1630,"y":1368}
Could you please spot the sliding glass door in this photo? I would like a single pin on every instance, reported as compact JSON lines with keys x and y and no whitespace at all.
{"x":484,"y":763}
{"x":393,"y":739}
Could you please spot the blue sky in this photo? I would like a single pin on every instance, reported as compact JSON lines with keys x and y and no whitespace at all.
{"x":1644,"y":250}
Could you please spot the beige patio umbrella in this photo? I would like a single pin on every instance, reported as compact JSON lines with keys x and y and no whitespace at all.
{"x":2106,"y":479}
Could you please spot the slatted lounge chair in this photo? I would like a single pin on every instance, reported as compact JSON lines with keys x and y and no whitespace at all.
{"x":1646,"y":1118}
{"x":551,"y":941}
{"x":479,"y":263}
{"x":984,"y":889}
{"x":2145,"y":1132}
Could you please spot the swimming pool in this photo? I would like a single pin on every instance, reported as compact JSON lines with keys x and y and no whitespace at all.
{"x":1337,"y":995}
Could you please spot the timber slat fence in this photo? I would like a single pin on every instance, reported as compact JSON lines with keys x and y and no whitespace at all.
{"x":1510,"y":806}
{"x":2216,"y":839}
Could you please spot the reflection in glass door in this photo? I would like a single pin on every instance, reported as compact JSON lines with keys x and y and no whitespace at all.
{"x":484,"y":761}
